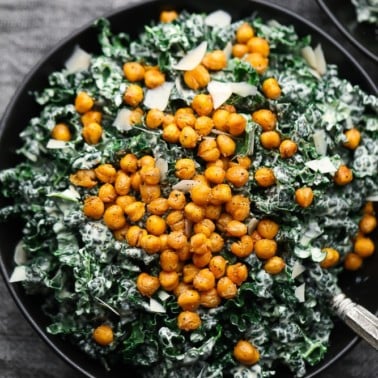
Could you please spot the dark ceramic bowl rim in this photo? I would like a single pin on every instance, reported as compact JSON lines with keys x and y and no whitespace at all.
{"x":60,"y":44}
{"x":347,"y":34}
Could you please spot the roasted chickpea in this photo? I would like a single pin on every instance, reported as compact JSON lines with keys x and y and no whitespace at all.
{"x":183,"y":119}
{"x":169,"y":260}
{"x":146,"y":161}
{"x":258,"y":62}
{"x":220,"y":194}
{"x":106,"y":173}
{"x":124,"y":200}
{"x":147,"y":284}
{"x":364,"y":247}
{"x":158,"y":206}
{"x":189,"y":272}
{"x":304,"y":197}
{"x":199,"y":244}
{"x":83,"y":102}
{"x":189,"y":300}
{"x":236,"y":229}
{"x":193,"y":212}
{"x":220,"y":119}
{"x":267,"y":228}
{"x":168,"y":280}
{"x":208,"y":150}
{"x":210,"y":298}
{"x":84,"y":177}
{"x":202,"y":104}
{"x":274,"y":265}
{"x":93,"y":207}
{"x":91,"y":116}
{"x":213,"y":212}
{"x":153,"y":78}
{"x":136,"y":180}
{"x":244,"y":161}
{"x":133,"y":71}
{"x":135,"y":211}
{"x":265,"y":248}
{"x":185,"y":169}
{"x":181,"y":288}
{"x":168,"y":119}
{"x":168,"y":16}
{"x":343,"y":176}
{"x":217,"y":266}
{"x":103,"y":335}
{"x":256,"y":236}
{"x":154,"y":118}
{"x":238,"y":207}
{"x":215,"y":174}
{"x":150,"y":175}
{"x":188,"y":321}
{"x":271,"y":88}
{"x":331,"y":258}
{"x":205,"y":226}
{"x":246,"y":353}
{"x":197,"y":78}
{"x":204,"y":280}
{"x":239,"y":50}
{"x":129,"y":163}
{"x":175,"y":220}
{"x":270,"y":139}
{"x":114,"y":217}
{"x":265,"y":177}
{"x":134,"y":235}
{"x":122,"y":183}
{"x":223,"y":220}
{"x":171,"y":133}
{"x":237,"y":175}
{"x":155,"y":225}
{"x":92,"y":133}
{"x":177,"y":239}
{"x":216,"y":242}
{"x":226,"y":288}
{"x":135,"y":116}
{"x":288,"y":148}
{"x":352,"y":261}
{"x":201,"y":261}
{"x":353,"y":138}
{"x":368,"y":223}
{"x":188,"y":137}
{"x":203,"y":125}
{"x":177,"y":200}
{"x":226,"y":145}
{"x":149,"y":193}
{"x":236,"y":124}
{"x":200,"y":194}
{"x":107,"y":193}
{"x":133,"y":95}
{"x":215,"y":60}
{"x":258,"y":45}
{"x":244,"y":33}
{"x":242,"y":248}
{"x":265,"y":118}
{"x":237,"y":273}
{"x":62,"y":132}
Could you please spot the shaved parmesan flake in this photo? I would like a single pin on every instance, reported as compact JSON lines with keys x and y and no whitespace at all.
{"x":78,"y":61}
{"x":323,"y":165}
{"x":298,"y":269}
{"x":54,"y":144}
{"x":155,"y":306}
{"x":373,"y":198}
{"x":218,"y":18}
{"x":122,"y":120}
{"x":300,"y":292}
{"x":19,"y":256}
{"x":19,"y":274}
{"x":162,"y":164}
{"x":220,"y":92}
{"x":163,"y":295}
{"x":309,"y":56}
{"x":243,"y":89}
{"x":320,"y":142}
{"x":184,"y":185}
{"x":228,"y":50}
{"x":158,"y":98}
{"x":70,"y":194}
{"x":251,"y":226}
{"x":321,"y":65}
{"x":192,"y":59}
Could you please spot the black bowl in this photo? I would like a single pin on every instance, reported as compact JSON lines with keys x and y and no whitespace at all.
{"x":359,"y":287}
{"x":363,"y":35}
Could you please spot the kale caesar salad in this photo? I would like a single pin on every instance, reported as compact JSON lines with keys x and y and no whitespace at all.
{"x":190,"y":196}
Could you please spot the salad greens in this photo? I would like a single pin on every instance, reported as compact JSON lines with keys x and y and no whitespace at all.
{"x":88,"y":277}
{"x":367,"y":10}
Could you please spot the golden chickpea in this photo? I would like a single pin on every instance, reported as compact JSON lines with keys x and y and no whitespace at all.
{"x":133,"y":71}
{"x":181,"y":288}
{"x":153,"y":78}
{"x":256,"y":236}
{"x":201,"y":261}
{"x":175,"y":220}
{"x":184,"y":253}
{"x":149,"y":193}
{"x":352,"y":261}
{"x":353,"y":138}
{"x":188,"y":137}
{"x":168,"y":16}
{"x":265,"y":118}
{"x":244,"y":161}
{"x":213,"y":212}
{"x":169,"y":260}
{"x":103,"y":335}
{"x":133,"y":95}
{"x":92,"y":133}
{"x":216,"y":242}
{"x":258,"y":62}
{"x":150,"y":175}
{"x":121,"y":233}
{"x":124,"y":200}
{"x":204,"y":280}
{"x":226,"y":145}
{"x":210,"y":298}
{"x":136,"y":181}
{"x":343,"y":176}
{"x":189,"y":272}
{"x":84,"y":177}
{"x":265,"y":248}
{"x":274,"y":265}
{"x":185,"y":169}
{"x":208,"y":150}
{"x":237,"y":175}
{"x":239,"y":50}
{"x":220,"y":119}
{"x":163,"y":241}
{"x":135,"y":116}
{"x":168,"y":280}
{"x":171,"y":133}
{"x":226,"y":288}
{"x":189,"y":300}
{"x":236,"y":229}
{"x":267,"y":228}
{"x":258,"y":45}
{"x":265,"y":177}
{"x":238,"y":207}
{"x":91,"y":116}
{"x":200,"y":194}
{"x":331,"y":258}
{"x":270,"y":139}
{"x":62,"y":132}
{"x":107,"y":193}
{"x":177,"y":239}
{"x":147,"y":284}
{"x":122,"y":183}
{"x":106,"y":173}
{"x":146,"y":161}
{"x":368,"y":223}
{"x":184,"y":110}
{"x":158,"y":206}
{"x":244,"y":33}
{"x":242,"y":248}
{"x":217,"y":266}
{"x":215,"y":174}
{"x":215,"y":60}
{"x":304,"y":197}
{"x":176,"y":200}
{"x":188,"y":321}
{"x":202,"y":104}
{"x":203,"y":125}
{"x":237,"y":273}
{"x":93,"y":207}
{"x":134,"y":235}
{"x":129,"y":163}
{"x":199,"y":244}
{"x":236,"y":124}
{"x":288,"y":148}
{"x":183,"y":119}
{"x":154,"y":118}
{"x":197,"y":78}
{"x":155,"y":225}
{"x":193,"y":212}
{"x":246,"y":353}
{"x":150,"y":243}
{"x":368,"y":208}
{"x":271,"y":88}
{"x":222,"y":222}
{"x":205,"y":226}
{"x":220,"y":194}
{"x":135,"y":211}
{"x":114,"y":217}
{"x":364,"y":247}
{"x":168,"y":119}
{"x":83,"y":102}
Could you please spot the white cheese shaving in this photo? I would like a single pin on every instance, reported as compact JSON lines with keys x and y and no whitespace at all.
{"x":373,"y":198}
{"x":19,"y":274}
{"x":78,"y":61}
{"x":309,"y":56}
{"x":228,"y":50}
{"x":163,"y":295}
{"x":243,"y":89}
{"x":19,"y":256}
{"x":300,"y":292}
{"x":122,"y":120}
{"x":158,"y":98}
{"x":218,"y":18}
{"x":155,"y":306}
{"x":185,"y":185}
{"x":298,"y":269}
{"x":320,"y":142}
{"x":251,"y":226}
{"x":162,"y":164}
{"x":55,"y":144}
{"x":323,"y":165}
{"x":220,"y":92}
{"x":321,"y":65}
{"x":192,"y":59}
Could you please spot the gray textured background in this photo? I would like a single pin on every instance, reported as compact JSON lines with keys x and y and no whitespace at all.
{"x":28,"y":29}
